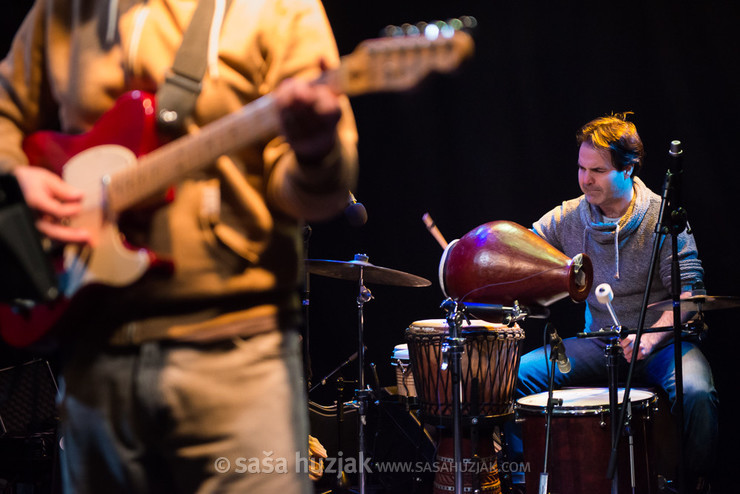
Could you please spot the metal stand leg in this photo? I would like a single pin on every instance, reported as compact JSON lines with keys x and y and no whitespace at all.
{"x":612,"y":352}
{"x":362,"y":393}
{"x":452,"y":351}
{"x":551,"y":402}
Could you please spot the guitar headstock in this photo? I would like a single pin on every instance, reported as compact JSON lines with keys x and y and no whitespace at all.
{"x":401,"y":60}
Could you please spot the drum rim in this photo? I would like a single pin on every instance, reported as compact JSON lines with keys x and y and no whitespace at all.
{"x":485,"y":328}
{"x":582,"y":410}
{"x":442,"y":266}
{"x":473,"y":323}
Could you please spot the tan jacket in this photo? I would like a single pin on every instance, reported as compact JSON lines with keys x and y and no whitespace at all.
{"x":69,"y":63}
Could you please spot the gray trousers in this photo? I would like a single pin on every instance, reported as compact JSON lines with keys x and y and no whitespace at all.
{"x":227,"y":417}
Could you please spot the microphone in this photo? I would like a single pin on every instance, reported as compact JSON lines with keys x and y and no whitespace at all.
{"x":355,"y":211}
{"x":605,"y":295}
{"x":557,"y":345}
{"x":676,"y":169}
{"x":676,"y":152}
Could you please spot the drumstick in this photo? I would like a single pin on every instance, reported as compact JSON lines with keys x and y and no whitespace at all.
{"x":432,"y":227}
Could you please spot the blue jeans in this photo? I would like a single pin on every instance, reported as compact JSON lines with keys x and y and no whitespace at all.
{"x":657,"y":370}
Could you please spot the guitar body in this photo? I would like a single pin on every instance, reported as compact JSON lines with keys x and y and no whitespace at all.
{"x":130,"y":123}
{"x":109,"y":151}
{"x":83,"y":161}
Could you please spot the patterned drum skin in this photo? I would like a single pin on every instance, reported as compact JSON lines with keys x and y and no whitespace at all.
{"x":489,"y":367}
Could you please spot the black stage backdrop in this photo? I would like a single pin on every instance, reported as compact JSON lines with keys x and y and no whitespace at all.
{"x":495,"y":141}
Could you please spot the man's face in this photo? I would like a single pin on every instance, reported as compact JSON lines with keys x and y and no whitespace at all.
{"x":605,"y":187}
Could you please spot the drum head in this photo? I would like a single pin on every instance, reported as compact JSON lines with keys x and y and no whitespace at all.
{"x":440,"y":326}
{"x":578,"y":401}
{"x":400,"y":352}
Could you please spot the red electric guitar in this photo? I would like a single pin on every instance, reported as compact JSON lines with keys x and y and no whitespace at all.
{"x":120,"y":163}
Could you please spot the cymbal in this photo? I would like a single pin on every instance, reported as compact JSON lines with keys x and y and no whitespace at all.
{"x":350,"y":270}
{"x":698,"y":302}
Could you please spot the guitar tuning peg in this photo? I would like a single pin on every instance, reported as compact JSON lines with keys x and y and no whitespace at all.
{"x":410,"y":29}
{"x":456,"y":23}
{"x":432,"y":30}
{"x":391,"y":31}
{"x":468,"y":22}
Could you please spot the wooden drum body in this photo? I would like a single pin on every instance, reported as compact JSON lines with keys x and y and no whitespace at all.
{"x":580,"y":441}
{"x":404,"y":375}
{"x":489,"y":368}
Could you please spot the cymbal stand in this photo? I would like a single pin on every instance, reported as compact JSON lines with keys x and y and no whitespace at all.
{"x":361,"y":393}
{"x":452,"y":351}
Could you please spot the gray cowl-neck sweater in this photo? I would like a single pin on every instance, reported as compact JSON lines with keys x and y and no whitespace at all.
{"x":620,"y":253}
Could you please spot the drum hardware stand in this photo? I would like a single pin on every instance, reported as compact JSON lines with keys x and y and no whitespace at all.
{"x":305,"y":304}
{"x":324,"y":379}
{"x":675,"y":224}
{"x":361,"y":392}
{"x":509,"y":315}
{"x":551,"y":403}
{"x":474,"y":436}
{"x":612,"y":352}
{"x":341,"y":479}
{"x":452,"y":351}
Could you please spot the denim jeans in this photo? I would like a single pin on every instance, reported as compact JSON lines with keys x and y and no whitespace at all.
{"x":588,"y":361}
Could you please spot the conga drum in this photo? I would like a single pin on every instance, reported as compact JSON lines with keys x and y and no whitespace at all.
{"x":580,"y":441}
{"x":404,"y":375}
{"x":489,"y":368}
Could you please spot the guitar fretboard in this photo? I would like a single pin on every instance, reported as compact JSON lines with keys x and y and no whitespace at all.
{"x":167,"y":164}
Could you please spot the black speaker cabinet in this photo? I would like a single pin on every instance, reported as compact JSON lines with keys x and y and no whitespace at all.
{"x":28,"y":429}
{"x":27,"y":271}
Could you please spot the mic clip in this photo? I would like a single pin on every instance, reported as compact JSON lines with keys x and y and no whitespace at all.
{"x":498,"y":313}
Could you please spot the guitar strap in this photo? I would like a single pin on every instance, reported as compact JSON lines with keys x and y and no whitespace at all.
{"x":176,"y":97}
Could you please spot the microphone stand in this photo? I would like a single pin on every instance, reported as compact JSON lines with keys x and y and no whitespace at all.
{"x":551,"y":403}
{"x":337,"y":369}
{"x":612,"y":353}
{"x":675,"y":225}
{"x":305,"y":304}
{"x":452,"y":351}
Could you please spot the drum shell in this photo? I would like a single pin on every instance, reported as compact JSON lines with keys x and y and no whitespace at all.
{"x":580,"y":444}
{"x":489,"y":367}
{"x":483,"y":468}
{"x":501,"y":262}
{"x":404,"y":374}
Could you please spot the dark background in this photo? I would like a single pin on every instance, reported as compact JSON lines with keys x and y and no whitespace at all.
{"x":495,"y":141}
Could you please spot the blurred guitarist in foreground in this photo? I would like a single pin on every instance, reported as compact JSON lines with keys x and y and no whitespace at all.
{"x":188,"y":379}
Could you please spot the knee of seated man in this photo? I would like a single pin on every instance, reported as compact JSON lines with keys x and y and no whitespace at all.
{"x":700,"y":395}
{"x":531,"y":374}
{"x":698,"y":387}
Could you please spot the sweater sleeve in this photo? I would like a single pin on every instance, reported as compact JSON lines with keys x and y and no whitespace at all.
{"x":25,"y":104}
{"x":549,"y":226}
{"x":311,"y":191}
{"x":688,"y":260}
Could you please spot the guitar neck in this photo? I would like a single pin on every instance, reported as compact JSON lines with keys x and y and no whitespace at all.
{"x":392,"y":64}
{"x":168,"y":164}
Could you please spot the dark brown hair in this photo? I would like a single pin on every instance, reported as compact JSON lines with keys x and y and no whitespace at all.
{"x":618,"y":136}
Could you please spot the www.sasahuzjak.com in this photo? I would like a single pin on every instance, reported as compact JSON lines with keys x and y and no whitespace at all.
{"x":272,"y":464}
